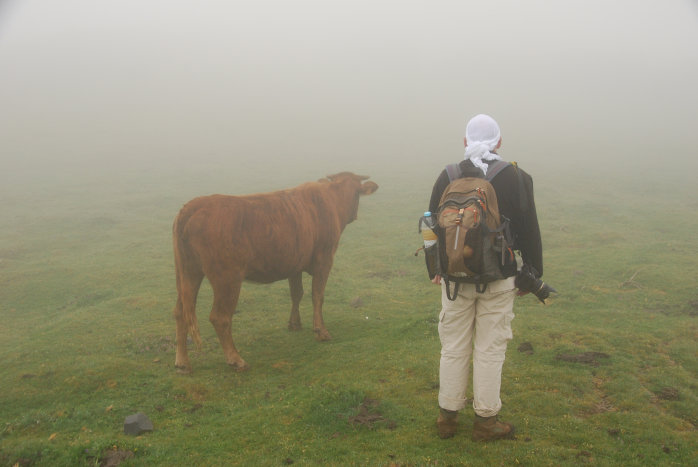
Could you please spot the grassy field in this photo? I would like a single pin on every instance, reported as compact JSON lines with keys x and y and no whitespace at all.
{"x":87,"y":291}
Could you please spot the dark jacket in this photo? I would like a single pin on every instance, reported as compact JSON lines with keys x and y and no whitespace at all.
{"x":524,"y":223}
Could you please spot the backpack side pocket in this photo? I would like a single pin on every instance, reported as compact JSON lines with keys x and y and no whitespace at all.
{"x":431,"y":255}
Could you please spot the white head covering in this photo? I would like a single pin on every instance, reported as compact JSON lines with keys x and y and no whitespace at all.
{"x":482,"y":137}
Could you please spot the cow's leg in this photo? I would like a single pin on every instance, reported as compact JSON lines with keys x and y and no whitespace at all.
{"x":295,"y":283}
{"x":225,"y":299}
{"x":320,"y":274}
{"x":185,"y":314}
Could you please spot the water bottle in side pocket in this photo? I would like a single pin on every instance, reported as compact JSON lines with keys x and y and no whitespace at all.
{"x":427,"y":224}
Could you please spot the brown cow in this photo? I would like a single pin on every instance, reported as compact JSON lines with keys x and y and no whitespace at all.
{"x":260,"y":238}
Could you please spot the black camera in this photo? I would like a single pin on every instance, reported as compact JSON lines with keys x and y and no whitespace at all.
{"x":527,"y":281}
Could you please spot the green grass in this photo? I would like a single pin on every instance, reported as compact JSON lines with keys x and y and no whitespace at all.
{"x":87,"y":290}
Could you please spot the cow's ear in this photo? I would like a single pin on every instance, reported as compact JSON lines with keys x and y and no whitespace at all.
{"x":368,"y":188}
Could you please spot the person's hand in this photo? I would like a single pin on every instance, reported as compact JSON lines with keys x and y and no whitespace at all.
{"x":436,"y":280}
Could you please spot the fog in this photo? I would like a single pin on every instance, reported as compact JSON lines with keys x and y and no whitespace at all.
{"x":103,"y":87}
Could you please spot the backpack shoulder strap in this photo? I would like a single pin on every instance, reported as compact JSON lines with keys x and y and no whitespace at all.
{"x":497,"y":167}
{"x":453,"y":171}
{"x":523,"y":197}
{"x":494,"y":168}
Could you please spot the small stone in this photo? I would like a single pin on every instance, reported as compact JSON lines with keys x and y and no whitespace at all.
{"x":136,"y":424}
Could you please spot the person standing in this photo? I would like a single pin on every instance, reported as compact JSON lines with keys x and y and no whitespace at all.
{"x":477,"y":324}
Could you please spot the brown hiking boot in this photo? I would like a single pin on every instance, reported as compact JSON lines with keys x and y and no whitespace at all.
{"x":447,"y":423}
{"x":490,"y":429}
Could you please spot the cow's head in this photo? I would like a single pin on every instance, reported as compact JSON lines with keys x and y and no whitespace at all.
{"x":352,"y":186}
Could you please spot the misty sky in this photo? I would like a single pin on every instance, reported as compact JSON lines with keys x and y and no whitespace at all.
{"x":91,"y":80}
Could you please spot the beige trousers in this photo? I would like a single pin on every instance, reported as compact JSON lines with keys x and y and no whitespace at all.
{"x":476,"y":325}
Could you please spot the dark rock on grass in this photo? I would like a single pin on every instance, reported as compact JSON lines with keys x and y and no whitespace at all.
{"x":136,"y":424}
{"x":526,"y":347}
{"x":590,"y":358}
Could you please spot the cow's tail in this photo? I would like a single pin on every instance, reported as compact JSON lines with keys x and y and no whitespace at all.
{"x":188,"y":277}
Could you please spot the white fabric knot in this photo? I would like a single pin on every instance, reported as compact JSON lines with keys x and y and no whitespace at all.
{"x":482,"y":136}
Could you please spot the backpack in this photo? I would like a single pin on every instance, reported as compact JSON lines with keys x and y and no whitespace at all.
{"x":475,"y":241}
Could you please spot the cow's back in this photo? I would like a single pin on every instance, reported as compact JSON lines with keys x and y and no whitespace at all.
{"x":263,"y":237}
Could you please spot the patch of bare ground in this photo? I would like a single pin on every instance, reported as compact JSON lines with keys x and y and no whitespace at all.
{"x":11,"y":253}
{"x":603,"y":404}
{"x":526,"y":348}
{"x":668,"y":394}
{"x":111,"y":458}
{"x":585,"y":457}
{"x":589,"y":358}
{"x":151,"y":343}
{"x":690,"y":309}
{"x":114,"y":458}
{"x":368,"y":415}
{"x":388,"y":274}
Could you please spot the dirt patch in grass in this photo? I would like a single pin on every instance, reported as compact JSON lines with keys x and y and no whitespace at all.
{"x":25,"y":461}
{"x":668,"y":394}
{"x":368,"y":414}
{"x":111,"y":458}
{"x":156,"y":344}
{"x":197,"y":392}
{"x":590,"y":358}
{"x":692,"y":308}
{"x":603,"y":401}
{"x":388,"y":274}
{"x":11,"y":253}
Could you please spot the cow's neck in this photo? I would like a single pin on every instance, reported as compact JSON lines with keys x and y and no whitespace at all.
{"x":346,"y":202}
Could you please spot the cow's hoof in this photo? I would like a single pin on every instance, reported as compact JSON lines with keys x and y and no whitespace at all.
{"x":294,"y":326}
{"x":322,"y":335}
{"x":183,"y":369}
{"x":239,"y":366}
